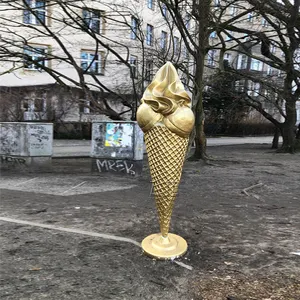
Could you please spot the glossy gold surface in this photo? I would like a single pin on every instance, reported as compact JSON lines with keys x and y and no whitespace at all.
{"x":170,"y":247}
{"x":166,"y":100}
{"x":167,"y":120}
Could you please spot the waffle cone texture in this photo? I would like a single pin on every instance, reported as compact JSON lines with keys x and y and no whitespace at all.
{"x":166,"y":153}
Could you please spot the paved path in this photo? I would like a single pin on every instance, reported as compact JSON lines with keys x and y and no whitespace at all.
{"x":83,"y":147}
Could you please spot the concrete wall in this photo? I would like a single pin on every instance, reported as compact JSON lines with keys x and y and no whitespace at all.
{"x":117,"y":147}
{"x":25,"y":144}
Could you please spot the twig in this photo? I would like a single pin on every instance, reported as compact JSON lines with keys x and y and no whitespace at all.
{"x":250,"y":188}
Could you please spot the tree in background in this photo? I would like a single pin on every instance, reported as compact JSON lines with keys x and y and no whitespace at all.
{"x":278,"y":42}
{"x":67,"y":24}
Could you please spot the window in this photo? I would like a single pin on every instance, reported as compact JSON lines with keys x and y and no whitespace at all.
{"x":233,"y":10}
{"x":164,"y":10}
{"x":242,"y":61}
{"x":150,"y":4}
{"x":211,"y":58}
{"x":35,"y":12}
{"x":133,"y":65}
{"x":187,"y":21}
{"x":149,"y":70}
{"x":264,"y":22}
{"x":269,"y":70}
{"x":216,"y":2}
{"x":149,"y":35}
{"x":185,"y":52}
{"x":213,"y":35}
{"x":35,"y":57}
{"x":228,"y":57}
{"x":176,"y":45}
{"x":34,"y":105}
{"x":163,"y":40}
{"x":83,"y":106}
{"x":91,"y":62}
{"x":240,"y":86}
{"x":256,"y":65}
{"x":250,"y":17}
{"x":134,"y":27}
{"x":273,"y":49}
{"x":228,"y":36}
{"x":253,"y":89}
{"x":93,"y":19}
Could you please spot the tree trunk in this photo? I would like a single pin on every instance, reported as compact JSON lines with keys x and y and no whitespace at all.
{"x":288,"y":139}
{"x":200,"y":138}
{"x":275,"y":142}
{"x":289,"y":126}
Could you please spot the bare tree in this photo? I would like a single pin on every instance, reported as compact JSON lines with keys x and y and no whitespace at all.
{"x":276,"y":44}
{"x":26,"y":25}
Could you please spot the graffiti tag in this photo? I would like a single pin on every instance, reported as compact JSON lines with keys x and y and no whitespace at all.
{"x":12,"y":160}
{"x":121,"y":166}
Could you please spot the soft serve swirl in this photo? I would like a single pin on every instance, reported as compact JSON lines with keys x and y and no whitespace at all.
{"x":166,"y":101}
{"x":166,"y":92}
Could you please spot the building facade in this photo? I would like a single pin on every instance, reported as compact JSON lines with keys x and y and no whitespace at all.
{"x":79,"y":61}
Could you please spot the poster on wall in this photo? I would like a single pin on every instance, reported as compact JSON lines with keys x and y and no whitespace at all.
{"x":119,"y":135}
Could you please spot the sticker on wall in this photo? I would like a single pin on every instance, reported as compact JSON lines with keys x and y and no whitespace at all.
{"x":118,"y":135}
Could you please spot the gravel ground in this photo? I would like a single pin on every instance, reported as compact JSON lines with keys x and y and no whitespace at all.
{"x":243,"y":243}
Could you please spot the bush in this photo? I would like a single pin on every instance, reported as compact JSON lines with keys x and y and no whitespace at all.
{"x":72,"y":130}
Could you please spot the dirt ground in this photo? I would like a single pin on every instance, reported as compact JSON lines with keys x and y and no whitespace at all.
{"x":239,"y":215}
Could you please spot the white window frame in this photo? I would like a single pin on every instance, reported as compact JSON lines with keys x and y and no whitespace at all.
{"x":31,"y":104}
{"x":149,"y":35}
{"x":133,"y":60}
{"x":164,"y":10}
{"x":273,"y":48}
{"x":94,"y":18}
{"x":250,"y":17}
{"x":176,"y":45}
{"x":233,"y":10}
{"x":97,"y":64}
{"x":134,"y":27}
{"x":148,"y":70}
{"x":150,"y":4}
{"x":242,"y":62}
{"x":163,"y":40}
{"x":29,"y":17}
{"x":256,"y":65}
{"x":33,"y":52}
{"x":211,"y":57}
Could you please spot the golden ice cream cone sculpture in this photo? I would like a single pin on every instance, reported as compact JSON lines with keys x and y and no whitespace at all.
{"x":167,"y":120}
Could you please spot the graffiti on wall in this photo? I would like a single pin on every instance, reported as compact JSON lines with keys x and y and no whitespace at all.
{"x":40,"y":137}
{"x":9,"y":140}
{"x":118,"y":135}
{"x":12,"y":160}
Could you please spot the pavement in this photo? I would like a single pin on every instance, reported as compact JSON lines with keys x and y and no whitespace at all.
{"x":64,"y":148}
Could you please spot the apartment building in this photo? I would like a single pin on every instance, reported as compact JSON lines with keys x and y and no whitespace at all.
{"x":111,"y":47}
{"x":244,"y":54}
{"x":107,"y":46}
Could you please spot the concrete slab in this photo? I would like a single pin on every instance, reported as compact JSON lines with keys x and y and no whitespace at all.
{"x":62,"y":185}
